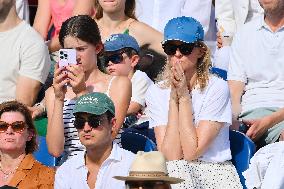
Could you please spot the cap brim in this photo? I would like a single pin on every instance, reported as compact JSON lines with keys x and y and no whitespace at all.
{"x":170,"y":180}
{"x":174,"y":39}
{"x":181,"y":37}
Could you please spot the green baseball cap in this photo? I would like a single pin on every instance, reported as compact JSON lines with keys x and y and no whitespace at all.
{"x":94,"y":103}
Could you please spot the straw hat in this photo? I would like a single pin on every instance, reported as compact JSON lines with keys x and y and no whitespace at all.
{"x":149,"y":166}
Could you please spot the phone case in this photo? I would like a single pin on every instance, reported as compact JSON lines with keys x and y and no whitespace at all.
{"x":67,"y":57}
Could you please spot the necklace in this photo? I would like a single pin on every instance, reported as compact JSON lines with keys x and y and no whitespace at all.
{"x":6,"y":175}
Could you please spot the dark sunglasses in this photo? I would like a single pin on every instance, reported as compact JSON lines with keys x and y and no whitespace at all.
{"x":184,"y":48}
{"x":93,"y":121}
{"x":17,"y":126}
{"x":114,"y":58}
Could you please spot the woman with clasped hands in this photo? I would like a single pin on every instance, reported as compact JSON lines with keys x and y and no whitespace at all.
{"x":191,"y":112}
{"x":18,"y":168}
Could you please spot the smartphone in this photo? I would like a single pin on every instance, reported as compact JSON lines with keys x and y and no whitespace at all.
{"x":67,"y":57}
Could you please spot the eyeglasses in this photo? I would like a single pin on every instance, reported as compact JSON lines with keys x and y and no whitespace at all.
{"x":184,"y":48}
{"x":146,"y":184}
{"x":17,"y":126}
{"x":93,"y":121}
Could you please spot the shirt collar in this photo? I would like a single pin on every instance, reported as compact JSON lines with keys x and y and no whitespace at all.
{"x":27,"y":162}
{"x":263,"y":24}
{"x":115,"y":155}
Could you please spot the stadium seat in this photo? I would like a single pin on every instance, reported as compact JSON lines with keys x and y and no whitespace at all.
{"x":242,"y":149}
{"x":42,"y":154}
{"x":135,"y":142}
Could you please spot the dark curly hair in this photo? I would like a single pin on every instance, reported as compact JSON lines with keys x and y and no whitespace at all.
{"x":129,"y":9}
{"x":83,"y":27}
{"x":14,"y":106}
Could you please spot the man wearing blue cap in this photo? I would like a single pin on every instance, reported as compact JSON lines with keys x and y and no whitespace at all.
{"x":121,"y":58}
{"x":95,"y":122}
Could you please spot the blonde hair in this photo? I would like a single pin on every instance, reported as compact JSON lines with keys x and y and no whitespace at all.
{"x":203,"y":66}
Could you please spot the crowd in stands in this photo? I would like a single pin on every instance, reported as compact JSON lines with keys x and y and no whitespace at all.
{"x":97,"y":69}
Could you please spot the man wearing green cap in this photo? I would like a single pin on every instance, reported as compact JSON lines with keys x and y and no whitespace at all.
{"x":103,"y":159}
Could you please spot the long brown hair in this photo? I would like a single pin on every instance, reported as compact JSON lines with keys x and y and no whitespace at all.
{"x":129,"y":10}
{"x":14,"y":106}
{"x":82,"y":27}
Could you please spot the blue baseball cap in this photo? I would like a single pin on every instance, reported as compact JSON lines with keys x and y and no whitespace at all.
{"x":119,"y":41}
{"x":185,"y":29}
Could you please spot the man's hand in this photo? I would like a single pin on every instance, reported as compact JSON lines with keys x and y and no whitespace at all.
{"x":257,"y":127}
{"x":281,"y":136}
{"x":219,"y":40}
{"x":36,"y":111}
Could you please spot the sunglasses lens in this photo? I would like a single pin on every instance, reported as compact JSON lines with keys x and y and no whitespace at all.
{"x":18,"y":126}
{"x":79,"y":123}
{"x":3,"y":126}
{"x":186,"y":49}
{"x":170,"y":49}
{"x":115,"y":59}
{"x":94,"y":122}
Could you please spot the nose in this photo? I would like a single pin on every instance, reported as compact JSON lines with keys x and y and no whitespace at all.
{"x":178,"y":53}
{"x":87,"y":127}
{"x":9,"y":130}
{"x":109,"y":63}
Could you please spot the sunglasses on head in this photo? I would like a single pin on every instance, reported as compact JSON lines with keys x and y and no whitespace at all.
{"x":184,"y":48}
{"x":93,"y":122}
{"x":17,"y":126}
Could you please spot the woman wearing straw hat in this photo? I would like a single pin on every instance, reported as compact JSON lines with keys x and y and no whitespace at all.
{"x":149,"y":171}
{"x":191,"y":111}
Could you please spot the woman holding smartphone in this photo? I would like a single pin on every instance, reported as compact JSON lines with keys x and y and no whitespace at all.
{"x":191,"y":111}
{"x":80,"y":33}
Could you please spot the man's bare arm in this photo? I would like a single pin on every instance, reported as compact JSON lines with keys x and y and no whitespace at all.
{"x":27,"y":90}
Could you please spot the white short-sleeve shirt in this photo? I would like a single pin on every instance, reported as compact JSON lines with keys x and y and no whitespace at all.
{"x":213,"y":103}
{"x":23,"y":52}
{"x":140,"y":83}
{"x":257,"y":60}
{"x":73,"y":173}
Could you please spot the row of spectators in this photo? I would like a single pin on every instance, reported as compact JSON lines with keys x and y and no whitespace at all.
{"x":190,"y":109}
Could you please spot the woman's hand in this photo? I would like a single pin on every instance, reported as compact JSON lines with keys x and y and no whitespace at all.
{"x":76,"y":77}
{"x":60,"y":81}
{"x":179,"y":81}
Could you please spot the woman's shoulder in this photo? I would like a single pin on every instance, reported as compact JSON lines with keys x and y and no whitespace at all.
{"x":217,"y":83}
{"x":44,"y":173}
{"x":120,"y":80}
{"x":137,"y":27}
